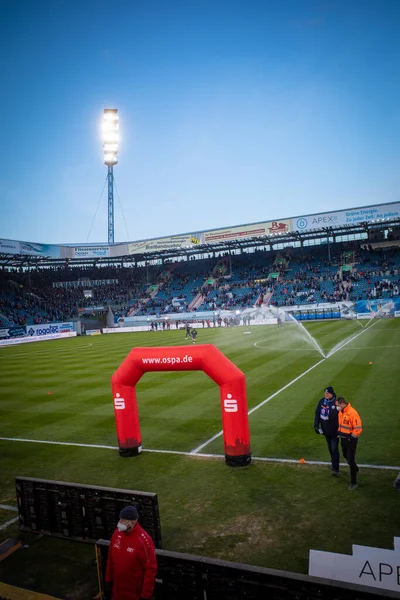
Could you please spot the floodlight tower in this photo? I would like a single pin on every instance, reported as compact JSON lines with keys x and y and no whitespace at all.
{"x":110,"y":147}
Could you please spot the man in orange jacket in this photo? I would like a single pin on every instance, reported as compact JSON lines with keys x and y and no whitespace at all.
{"x":349,"y":431}
{"x":131,"y":565}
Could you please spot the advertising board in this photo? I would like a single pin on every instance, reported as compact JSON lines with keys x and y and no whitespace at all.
{"x":49,"y":328}
{"x":91,"y":251}
{"x":36,"y":338}
{"x":372,"y":567}
{"x":352,"y":216}
{"x":40,"y":249}
{"x":167,"y":243}
{"x":248,"y":231}
{"x":9,"y":246}
{"x":119,"y":329}
{"x":11,"y":332}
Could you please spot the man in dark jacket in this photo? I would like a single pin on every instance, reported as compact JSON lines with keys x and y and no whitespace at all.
{"x":131,"y":564}
{"x":326,"y":423}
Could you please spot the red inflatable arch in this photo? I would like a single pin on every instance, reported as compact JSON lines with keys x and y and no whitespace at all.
{"x":205,"y":358}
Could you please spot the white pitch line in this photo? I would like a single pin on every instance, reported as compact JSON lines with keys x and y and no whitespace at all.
{"x":354,"y":337}
{"x":217,"y":435}
{"x":256,"y":344}
{"x":321,"y":462}
{"x":7,"y":507}
{"x":59,"y":443}
{"x":196,"y":450}
{"x":214,"y":437}
{"x":7,"y":523}
{"x":314,"y":350}
{"x":168,"y":451}
{"x":372,"y":347}
{"x":286,"y":386}
{"x":199,"y":455}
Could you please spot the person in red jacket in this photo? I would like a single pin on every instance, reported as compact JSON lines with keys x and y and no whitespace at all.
{"x":132,"y":564}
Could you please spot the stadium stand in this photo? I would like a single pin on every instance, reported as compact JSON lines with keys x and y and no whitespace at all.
{"x":290,"y":277}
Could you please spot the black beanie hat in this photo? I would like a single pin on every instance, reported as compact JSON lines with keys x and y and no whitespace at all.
{"x":330,"y":390}
{"x":129,"y":513}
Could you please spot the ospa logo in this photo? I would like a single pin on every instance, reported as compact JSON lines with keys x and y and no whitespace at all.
{"x":43,"y":330}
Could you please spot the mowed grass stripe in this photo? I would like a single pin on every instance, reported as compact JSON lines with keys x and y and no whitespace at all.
{"x":166,"y":398}
{"x":284,"y":426}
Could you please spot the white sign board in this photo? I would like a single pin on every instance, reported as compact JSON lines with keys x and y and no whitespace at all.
{"x":91,"y":251}
{"x":373,"y":567}
{"x":119,"y":329}
{"x":37,"y":338}
{"x":9,"y":246}
{"x":352,"y":216}
{"x":49,"y":328}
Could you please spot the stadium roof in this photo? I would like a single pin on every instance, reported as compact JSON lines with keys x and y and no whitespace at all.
{"x":269,"y":233}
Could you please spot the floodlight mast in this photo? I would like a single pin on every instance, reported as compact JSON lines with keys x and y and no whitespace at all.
{"x":110,"y":147}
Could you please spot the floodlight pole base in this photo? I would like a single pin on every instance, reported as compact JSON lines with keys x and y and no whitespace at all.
{"x":238,"y":461}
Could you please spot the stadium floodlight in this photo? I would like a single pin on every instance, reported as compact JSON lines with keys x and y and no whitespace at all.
{"x":110,"y":149}
{"x":110,"y":136}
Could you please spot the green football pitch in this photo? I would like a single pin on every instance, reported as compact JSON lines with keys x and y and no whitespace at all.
{"x":269,"y":513}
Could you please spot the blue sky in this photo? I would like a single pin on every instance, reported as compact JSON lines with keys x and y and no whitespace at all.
{"x":230,"y":112}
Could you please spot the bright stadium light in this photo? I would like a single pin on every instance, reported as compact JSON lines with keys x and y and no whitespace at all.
{"x":110,"y":149}
{"x":110,"y":136}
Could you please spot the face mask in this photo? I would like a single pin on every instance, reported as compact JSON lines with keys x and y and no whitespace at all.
{"x":122,"y":527}
{"x":339,"y":408}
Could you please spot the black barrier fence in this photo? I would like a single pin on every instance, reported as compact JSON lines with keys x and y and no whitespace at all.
{"x":188,"y":577}
{"x":81,"y":512}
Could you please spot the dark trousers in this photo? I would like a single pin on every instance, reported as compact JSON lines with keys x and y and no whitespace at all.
{"x":349,"y":447}
{"x":333,"y":445}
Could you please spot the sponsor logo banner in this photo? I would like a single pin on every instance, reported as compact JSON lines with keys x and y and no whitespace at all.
{"x":175,"y":241}
{"x":17,"y":331}
{"x":369,"y":566}
{"x":9,"y":246}
{"x":87,"y":310}
{"x":93,"y":332}
{"x":49,"y":328}
{"x":85,"y":283}
{"x":248,"y":231}
{"x":119,"y":329}
{"x":119,"y":250}
{"x":91,"y":251}
{"x":37,"y":338}
{"x":347,"y":217}
{"x":40,"y":249}
{"x":397,"y":313}
{"x":365,"y":315}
